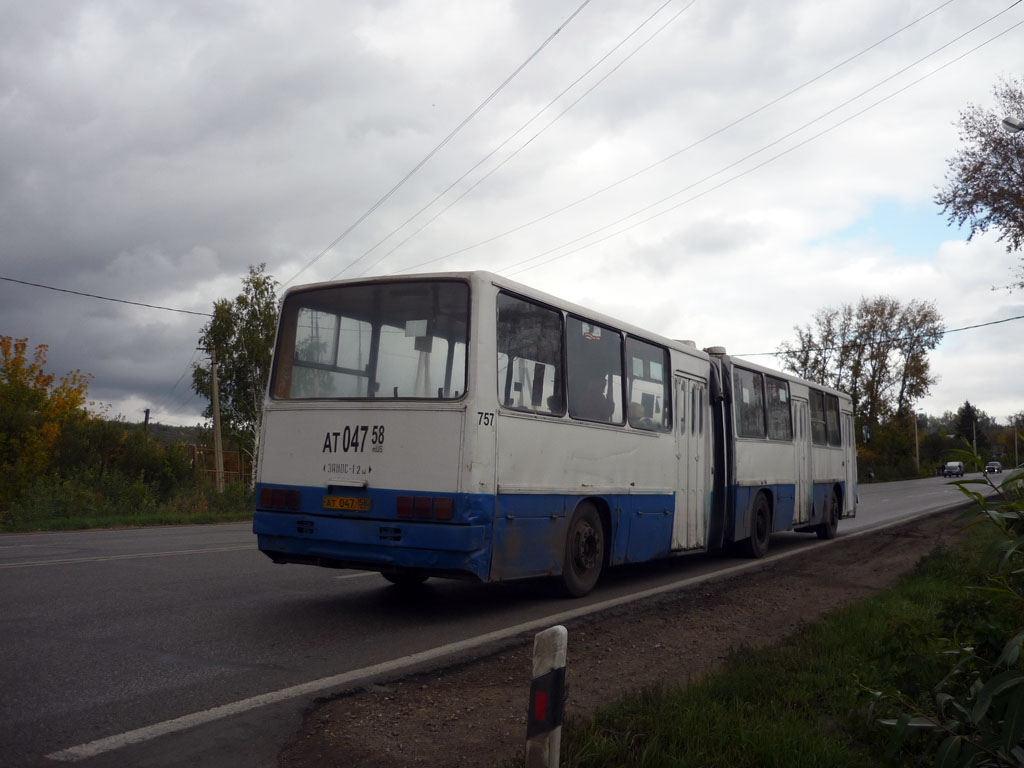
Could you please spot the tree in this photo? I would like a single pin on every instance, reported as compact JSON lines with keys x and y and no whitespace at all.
{"x":985,"y":179}
{"x":974,"y":426}
{"x":241,"y":335}
{"x":35,"y":406}
{"x":877,"y":352}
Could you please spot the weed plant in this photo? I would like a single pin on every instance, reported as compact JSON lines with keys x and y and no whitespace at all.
{"x":803,"y":702}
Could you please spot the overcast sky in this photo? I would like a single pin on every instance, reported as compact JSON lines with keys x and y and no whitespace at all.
{"x":151,"y":151}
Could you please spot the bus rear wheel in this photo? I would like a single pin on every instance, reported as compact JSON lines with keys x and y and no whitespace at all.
{"x":827,"y":528}
{"x":760,"y":529}
{"x":584,"y":551}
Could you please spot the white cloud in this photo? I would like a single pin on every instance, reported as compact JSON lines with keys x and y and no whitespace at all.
{"x":152,"y":151}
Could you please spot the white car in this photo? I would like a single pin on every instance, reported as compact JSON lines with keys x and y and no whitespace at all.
{"x":953,"y":469}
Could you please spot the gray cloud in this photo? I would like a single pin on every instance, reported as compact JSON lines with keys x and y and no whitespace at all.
{"x":152,"y":151}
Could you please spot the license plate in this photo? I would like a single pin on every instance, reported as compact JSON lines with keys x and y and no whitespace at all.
{"x":347,"y":503}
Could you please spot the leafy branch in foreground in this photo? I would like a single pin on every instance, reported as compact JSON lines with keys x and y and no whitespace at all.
{"x":977,"y":708}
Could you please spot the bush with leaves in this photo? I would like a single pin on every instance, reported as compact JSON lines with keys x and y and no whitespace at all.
{"x":975,"y":713}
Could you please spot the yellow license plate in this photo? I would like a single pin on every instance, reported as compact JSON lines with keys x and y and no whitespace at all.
{"x":348,"y":503}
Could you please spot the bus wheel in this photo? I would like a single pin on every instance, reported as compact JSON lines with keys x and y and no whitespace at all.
{"x":584,"y":551}
{"x":827,"y":528}
{"x":405,"y":580}
{"x":760,"y":529}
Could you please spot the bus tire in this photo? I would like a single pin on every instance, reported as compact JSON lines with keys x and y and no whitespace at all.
{"x":760,"y":529}
{"x":405,"y":580}
{"x":827,"y":528}
{"x":584,"y":551}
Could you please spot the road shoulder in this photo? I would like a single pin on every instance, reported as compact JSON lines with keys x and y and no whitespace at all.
{"x":474,"y":713}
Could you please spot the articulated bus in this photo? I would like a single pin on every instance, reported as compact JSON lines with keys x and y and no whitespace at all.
{"x":463,"y":425}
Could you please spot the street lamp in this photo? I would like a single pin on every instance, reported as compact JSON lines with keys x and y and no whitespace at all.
{"x":1013,"y":124}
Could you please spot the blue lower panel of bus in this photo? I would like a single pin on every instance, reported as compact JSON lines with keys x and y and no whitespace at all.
{"x":493,"y":538}
{"x":530,"y":530}
{"x":782,"y":498}
{"x":383,"y":541}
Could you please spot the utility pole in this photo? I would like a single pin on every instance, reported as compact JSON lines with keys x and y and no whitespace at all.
{"x":218,"y":449}
{"x":145,"y":424}
{"x":1016,"y":426}
{"x":917,"y":446}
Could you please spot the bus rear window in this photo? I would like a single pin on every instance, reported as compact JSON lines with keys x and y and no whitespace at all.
{"x":386,"y":340}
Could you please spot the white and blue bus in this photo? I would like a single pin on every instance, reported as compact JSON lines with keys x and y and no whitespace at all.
{"x":463,"y":425}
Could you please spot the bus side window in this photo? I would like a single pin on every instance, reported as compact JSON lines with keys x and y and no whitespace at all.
{"x":529,"y":356}
{"x":780,"y":417}
{"x":832,"y":420}
{"x":818,"y":433}
{"x":748,"y":388}
{"x":693,"y":409}
{"x":648,"y":387}
{"x":594,"y":356}
{"x":702,"y":403}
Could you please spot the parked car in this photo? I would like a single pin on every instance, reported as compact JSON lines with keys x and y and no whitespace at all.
{"x":993,"y":468}
{"x":953,"y":469}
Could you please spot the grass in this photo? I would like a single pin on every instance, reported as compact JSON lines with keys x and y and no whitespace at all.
{"x":805,"y":701}
{"x":63,"y":504}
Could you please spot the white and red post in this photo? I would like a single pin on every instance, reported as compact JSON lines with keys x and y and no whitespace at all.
{"x":547,"y":698}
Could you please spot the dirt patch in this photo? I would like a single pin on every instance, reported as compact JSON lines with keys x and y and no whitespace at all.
{"x":475,"y":713}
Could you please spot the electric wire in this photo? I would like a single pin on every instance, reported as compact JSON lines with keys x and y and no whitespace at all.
{"x":678,"y":152}
{"x":944,"y":332}
{"x":436,"y":149}
{"x":106,"y":298}
{"x":519,"y":130}
{"x":166,"y":399}
{"x":748,"y":171}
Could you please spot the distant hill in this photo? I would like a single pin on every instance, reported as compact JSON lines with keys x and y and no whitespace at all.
{"x":165,"y":434}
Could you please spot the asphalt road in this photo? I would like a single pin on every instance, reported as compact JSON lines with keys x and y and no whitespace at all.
{"x":110,"y":638}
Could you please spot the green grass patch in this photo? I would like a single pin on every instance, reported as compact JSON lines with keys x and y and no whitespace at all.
{"x":806,"y":700}
{"x":86,"y":500}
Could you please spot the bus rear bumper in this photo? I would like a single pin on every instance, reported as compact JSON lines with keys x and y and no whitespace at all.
{"x":380,"y":545}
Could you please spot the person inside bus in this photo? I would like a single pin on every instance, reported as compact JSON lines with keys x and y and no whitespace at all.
{"x":594,"y":405}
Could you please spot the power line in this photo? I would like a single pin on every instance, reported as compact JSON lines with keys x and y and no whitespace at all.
{"x":434,"y":151}
{"x":675,"y":154}
{"x":752,"y":154}
{"x":167,"y":400}
{"x":519,"y":130}
{"x":944,"y":332}
{"x":106,"y":298}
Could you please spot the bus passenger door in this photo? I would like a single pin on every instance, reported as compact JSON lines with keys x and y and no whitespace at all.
{"x":689,"y":525}
{"x":802,"y":438}
{"x":850,"y":460}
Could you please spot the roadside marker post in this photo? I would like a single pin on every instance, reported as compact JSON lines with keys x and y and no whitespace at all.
{"x":547,"y":698}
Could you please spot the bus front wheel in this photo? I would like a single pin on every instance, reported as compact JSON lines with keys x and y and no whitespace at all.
{"x":827,"y":528}
{"x":760,"y":529}
{"x":584,"y":551}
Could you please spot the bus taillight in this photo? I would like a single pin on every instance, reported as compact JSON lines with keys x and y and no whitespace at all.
{"x":280,"y":498}
{"x":421,"y":507}
{"x":424,"y":507}
{"x":443,"y":509}
{"x":404,"y":507}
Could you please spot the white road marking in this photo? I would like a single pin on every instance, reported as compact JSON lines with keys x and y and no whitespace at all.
{"x":357,"y":677}
{"x":136,"y":556}
{"x":356,"y":575}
